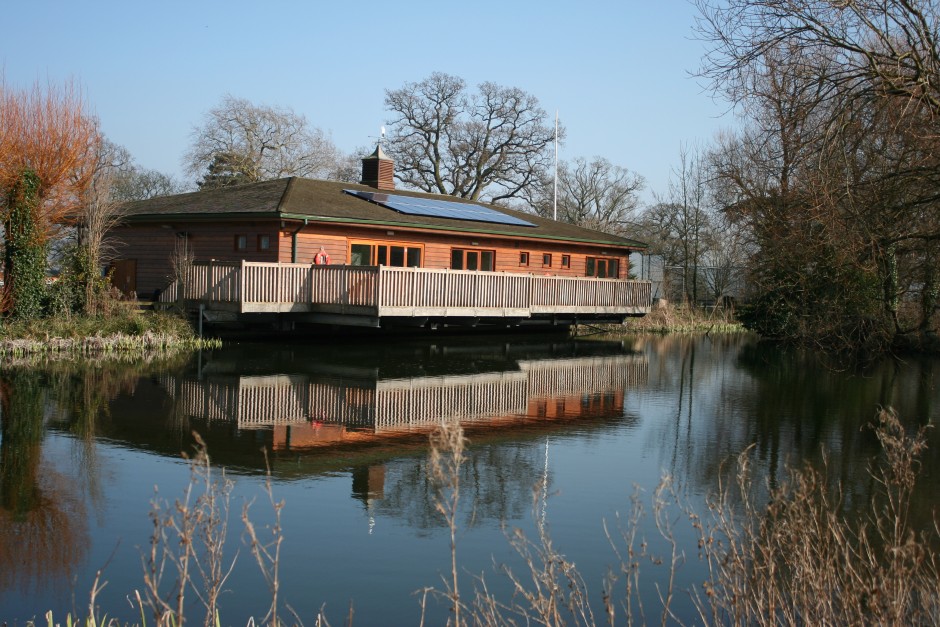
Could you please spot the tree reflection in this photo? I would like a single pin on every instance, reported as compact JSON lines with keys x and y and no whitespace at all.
{"x":44,"y":533}
{"x":793,"y":406}
{"x":496,"y":484}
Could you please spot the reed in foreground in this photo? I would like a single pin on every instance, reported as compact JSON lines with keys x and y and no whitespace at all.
{"x":797,"y":560}
{"x":792,"y":558}
{"x":787,"y":555}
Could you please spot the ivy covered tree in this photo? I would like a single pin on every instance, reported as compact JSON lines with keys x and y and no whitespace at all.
{"x":224,"y":171}
{"x":25,"y":253}
{"x":48,"y":152}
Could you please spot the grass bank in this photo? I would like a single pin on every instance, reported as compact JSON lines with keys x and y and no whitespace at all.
{"x":121,"y":330}
{"x":677,"y":319}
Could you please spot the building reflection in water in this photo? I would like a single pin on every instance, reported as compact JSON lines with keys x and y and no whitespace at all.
{"x":303,"y":413}
{"x":307,"y":411}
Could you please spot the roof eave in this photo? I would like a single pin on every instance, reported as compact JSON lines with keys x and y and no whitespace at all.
{"x":479,"y":231}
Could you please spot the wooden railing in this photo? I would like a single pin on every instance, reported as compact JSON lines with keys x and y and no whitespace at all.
{"x":388,"y":291}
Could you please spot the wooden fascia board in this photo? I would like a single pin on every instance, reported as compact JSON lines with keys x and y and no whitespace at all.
{"x":417,"y":228}
{"x":201,"y":217}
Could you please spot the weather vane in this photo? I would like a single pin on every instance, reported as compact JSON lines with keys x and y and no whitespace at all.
{"x":380,"y":140}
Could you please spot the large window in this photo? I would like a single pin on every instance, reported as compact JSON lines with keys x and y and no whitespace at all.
{"x":602,"y":267}
{"x":464,"y":259}
{"x":400,"y":255}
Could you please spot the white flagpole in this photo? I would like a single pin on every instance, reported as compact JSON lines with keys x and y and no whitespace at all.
{"x":555,"y":194}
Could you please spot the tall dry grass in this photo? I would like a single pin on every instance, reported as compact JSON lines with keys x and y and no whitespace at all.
{"x":791,"y":559}
{"x":674,"y":319}
{"x":796,"y":559}
{"x":782,"y":556}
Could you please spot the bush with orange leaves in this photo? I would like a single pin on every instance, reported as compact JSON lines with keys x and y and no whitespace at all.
{"x":48,"y":149}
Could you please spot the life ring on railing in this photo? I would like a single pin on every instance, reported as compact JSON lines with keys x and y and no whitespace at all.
{"x":322,"y":258}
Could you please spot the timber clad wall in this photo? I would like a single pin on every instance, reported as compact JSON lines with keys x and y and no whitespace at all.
{"x":438,"y":247}
{"x":152,"y":247}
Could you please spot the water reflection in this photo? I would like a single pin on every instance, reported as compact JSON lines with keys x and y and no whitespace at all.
{"x":44,"y":526}
{"x":345,"y":432}
{"x":305,"y":411}
{"x":350,"y":405}
{"x":715,"y":397}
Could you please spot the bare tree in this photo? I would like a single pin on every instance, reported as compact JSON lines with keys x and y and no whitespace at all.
{"x":881,"y":48}
{"x":100,"y":212}
{"x":137,"y":183}
{"x":181,"y":261}
{"x":348,"y":167}
{"x":491,"y":144}
{"x":257,"y":143}
{"x":835,"y":176}
{"x":725,"y":261}
{"x":595,"y":194}
{"x":678,"y":225}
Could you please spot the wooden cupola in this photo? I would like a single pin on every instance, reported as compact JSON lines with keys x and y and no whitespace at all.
{"x":378,"y":170}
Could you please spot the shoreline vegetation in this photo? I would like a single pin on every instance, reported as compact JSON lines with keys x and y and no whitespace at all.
{"x":675,"y":319}
{"x":877,"y":569}
{"x":126,"y":332}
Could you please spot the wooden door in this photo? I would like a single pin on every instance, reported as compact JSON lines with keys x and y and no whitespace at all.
{"x":124,"y":276}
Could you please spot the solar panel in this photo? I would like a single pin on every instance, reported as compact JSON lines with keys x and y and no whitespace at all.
{"x":438,"y":208}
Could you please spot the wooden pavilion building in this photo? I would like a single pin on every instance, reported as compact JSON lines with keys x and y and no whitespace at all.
{"x":327,"y":252}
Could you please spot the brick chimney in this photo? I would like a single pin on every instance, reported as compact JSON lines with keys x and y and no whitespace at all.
{"x":378,"y":170}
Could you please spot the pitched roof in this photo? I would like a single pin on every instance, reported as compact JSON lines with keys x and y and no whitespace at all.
{"x":324,"y":201}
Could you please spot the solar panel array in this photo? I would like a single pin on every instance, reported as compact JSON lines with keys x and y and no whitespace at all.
{"x":438,"y":208}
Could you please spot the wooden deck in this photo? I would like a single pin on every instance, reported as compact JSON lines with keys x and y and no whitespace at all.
{"x":369,"y":294}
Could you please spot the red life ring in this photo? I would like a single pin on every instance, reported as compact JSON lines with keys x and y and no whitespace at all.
{"x":321,"y":259}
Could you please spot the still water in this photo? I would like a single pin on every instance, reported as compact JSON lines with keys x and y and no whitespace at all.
{"x":562,"y":433}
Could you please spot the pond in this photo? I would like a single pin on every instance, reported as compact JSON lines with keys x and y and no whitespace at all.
{"x":562,"y":433}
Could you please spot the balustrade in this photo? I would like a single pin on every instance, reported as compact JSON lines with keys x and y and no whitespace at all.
{"x":396,"y":291}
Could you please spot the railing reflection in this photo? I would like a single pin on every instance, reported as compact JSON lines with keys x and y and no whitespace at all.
{"x":318,"y":410}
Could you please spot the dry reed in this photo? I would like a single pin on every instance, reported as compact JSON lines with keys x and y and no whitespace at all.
{"x":791,"y":559}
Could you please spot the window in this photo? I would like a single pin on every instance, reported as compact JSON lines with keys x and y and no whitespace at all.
{"x":241,"y":242}
{"x":400,"y":255}
{"x":523,"y":259}
{"x":463,"y":259}
{"x":566,"y":261}
{"x":547,"y":260}
{"x":602,"y":267}
{"x":264,"y":242}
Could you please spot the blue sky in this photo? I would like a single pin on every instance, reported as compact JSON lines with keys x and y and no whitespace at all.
{"x":617,"y":72}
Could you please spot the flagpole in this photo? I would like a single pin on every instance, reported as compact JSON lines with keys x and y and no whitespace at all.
{"x":555,"y":194}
